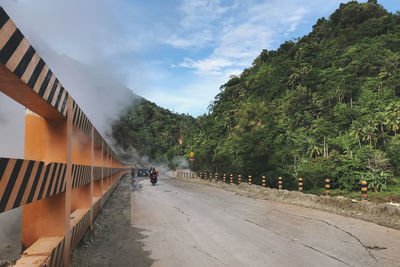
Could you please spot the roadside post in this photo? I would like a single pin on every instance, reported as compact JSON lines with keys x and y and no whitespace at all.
{"x":224,"y":178}
{"x":231,"y":179}
{"x":280,"y":183}
{"x":327,"y":188}
{"x":239,"y":179}
{"x":216,"y":177}
{"x":191,"y":154}
{"x":249,"y":179}
{"x":364,"y":190}
{"x":263,"y":181}
{"x":300,"y":184}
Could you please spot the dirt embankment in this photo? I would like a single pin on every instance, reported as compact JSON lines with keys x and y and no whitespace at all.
{"x":383,"y":214}
{"x":113,"y":242}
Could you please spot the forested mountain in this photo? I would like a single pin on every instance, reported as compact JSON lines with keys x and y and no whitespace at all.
{"x":147,"y":130}
{"x":326,"y":105}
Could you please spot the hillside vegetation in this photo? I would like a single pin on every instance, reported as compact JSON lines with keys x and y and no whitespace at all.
{"x":326,"y":105}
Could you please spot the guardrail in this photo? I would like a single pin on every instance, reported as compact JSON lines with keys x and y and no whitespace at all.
{"x":262,"y":181}
{"x":68,"y":170}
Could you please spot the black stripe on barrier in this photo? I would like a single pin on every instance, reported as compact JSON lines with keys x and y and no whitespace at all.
{"x":53,"y":173}
{"x":46,"y":174}
{"x":35,"y":182}
{"x":60,"y":258}
{"x":45,"y":83}
{"x":52,"y":92}
{"x":10,"y":47}
{"x":62,"y":180}
{"x":74,"y":118}
{"x":10,"y":184}
{"x":36,"y":72}
{"x":52,"y":256}
{"x":23,"y":64}
{"x":58,"y":179}
{"x":59,"y":98}
{"x":74,"y":171}
{"x":64,"y":103}
{"x":3,"y":165}
{"x":3,"y":17}
{"x":24,"y":184}
{"x":78,"y":117}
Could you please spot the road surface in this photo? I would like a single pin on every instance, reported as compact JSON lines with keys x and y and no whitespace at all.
{"x":195,"y":225}
{"x":183,"y":224}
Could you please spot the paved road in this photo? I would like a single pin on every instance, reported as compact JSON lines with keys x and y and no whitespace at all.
{"x":188,"y":224}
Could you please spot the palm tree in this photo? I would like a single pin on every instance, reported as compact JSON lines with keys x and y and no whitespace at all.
{"x":356,"y":131}
{"x":393,"y":117}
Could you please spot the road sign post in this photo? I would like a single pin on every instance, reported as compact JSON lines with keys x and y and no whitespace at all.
{"x":191,"y":154}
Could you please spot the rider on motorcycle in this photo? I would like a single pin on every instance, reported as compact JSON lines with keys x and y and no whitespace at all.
{"x":153,"y":175}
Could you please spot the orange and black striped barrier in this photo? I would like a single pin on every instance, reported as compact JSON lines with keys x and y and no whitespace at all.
{"x":231,"y":179}
{"x":364,"y":190}
{"x":239,"y":179}
{"x":300,"y":184}
{"x":69,"y":170}
{"x":263,"y":181}
{"x":224,"y":178}
{"x":249,"y":179}
{"x":327,"y":188}
{"x":280,"y":183}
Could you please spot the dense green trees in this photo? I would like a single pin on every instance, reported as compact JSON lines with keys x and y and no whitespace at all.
{"x":324,"y":106}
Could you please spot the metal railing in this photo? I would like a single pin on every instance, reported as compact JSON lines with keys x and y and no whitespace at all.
{"x":68,"y":170}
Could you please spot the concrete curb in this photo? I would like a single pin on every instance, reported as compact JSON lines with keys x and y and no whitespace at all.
{"x":383,"y":214}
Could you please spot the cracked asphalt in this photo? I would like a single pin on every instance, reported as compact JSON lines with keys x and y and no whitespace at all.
{"x":186,"y":224}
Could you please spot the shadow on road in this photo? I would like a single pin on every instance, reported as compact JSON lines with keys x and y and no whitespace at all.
{"x":114,"y":242}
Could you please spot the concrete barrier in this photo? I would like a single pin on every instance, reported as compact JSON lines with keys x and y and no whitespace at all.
{"x":68,"y":170}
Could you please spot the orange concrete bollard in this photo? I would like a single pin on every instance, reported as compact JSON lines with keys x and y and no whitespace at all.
{"x":280,"y":183}
{"x":300,"y":184}
{"x":249,"y":179}
{"x":364,"y":190}
{"x":263,"y":181}
{"x":224,"y":178}
{"x":327,"y":188}
{"x":239,"y":179}
{"x":231,"y":179}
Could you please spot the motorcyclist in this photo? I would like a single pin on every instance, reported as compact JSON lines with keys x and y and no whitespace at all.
{"x":153,"y":175}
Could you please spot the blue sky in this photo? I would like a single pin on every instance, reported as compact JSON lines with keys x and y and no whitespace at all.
{"x":176,"y":53}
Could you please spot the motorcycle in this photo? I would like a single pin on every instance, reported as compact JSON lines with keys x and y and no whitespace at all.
{"x":153,"y":178}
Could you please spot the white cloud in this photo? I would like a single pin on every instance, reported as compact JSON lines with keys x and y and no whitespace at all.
{"x":196,"y":39}
{"x":208,"y":65}
{"x":235,"y":37}
{"x":240,"y":32}
{"x":198,"y":14}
